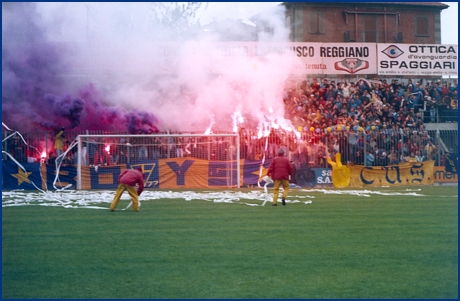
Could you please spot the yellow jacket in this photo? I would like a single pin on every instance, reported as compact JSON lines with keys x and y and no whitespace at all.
{"x":59,"y":141}
{"x":412,"y":159}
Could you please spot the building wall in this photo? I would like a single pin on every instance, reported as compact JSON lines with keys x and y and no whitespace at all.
{"x":328,"y":22}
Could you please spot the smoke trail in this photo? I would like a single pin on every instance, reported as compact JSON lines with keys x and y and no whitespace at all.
{"x":65,"y":108}
{"x":106,"y":66}
{"x":34,"y":90}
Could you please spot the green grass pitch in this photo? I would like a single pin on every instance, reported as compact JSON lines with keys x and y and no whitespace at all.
{"x":339,"y":246}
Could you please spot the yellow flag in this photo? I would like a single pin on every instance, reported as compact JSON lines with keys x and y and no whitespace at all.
{"x":340,"y":173}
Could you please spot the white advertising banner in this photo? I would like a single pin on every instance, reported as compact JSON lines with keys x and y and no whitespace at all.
{"x":326,"y":58}
{"x":417,"y":59}
{"x":312,"y":58}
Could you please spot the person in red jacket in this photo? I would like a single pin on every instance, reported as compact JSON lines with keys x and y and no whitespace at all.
{"x":127,"y":181}
{"x":280,"y":170}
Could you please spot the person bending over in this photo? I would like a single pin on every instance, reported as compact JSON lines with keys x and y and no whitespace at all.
{"x":127,"y":181}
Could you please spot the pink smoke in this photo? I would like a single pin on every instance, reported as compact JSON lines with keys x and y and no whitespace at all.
{"x":127,"y":84}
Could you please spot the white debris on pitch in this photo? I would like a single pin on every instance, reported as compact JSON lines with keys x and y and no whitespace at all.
{"x":101,"y":199}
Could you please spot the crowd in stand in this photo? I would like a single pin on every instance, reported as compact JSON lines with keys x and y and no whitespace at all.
{"x":370,"y":122}
{"x":364,"y":102}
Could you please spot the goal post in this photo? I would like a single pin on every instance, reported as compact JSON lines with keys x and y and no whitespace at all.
{"x":193,"y":160}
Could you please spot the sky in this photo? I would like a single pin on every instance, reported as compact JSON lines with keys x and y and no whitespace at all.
{"x":96,"y":66}
{"x":449,"y":24}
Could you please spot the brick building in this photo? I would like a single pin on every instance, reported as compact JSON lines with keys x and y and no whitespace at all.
{"x":375,"y":22}
{"x":378,"y":22}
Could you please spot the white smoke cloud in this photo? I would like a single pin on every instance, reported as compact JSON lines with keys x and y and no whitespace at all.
{"x":115,"y":47}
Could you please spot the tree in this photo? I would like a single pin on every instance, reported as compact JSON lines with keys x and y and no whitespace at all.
{"x":176,"y":18}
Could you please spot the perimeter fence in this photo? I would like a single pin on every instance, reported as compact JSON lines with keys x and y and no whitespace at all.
{"x":308,"y":148}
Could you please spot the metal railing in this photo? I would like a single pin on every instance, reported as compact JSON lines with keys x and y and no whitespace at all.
{"x":307,"y":148}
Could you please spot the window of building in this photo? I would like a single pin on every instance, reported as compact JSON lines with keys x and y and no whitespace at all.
{"x":316,"y":22}
{"x":370,"y":27}
{"x":422,"y":26}
{"x":297,"y":26}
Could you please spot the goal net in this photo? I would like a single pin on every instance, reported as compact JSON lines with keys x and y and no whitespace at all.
{"x":167,"y":160}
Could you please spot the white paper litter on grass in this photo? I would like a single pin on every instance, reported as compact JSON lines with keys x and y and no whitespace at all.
{"x":101,"y":199}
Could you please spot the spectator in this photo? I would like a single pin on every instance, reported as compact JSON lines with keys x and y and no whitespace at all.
{"x":18,"y":149}
{"x":454,"y":104}
{"x":51,"y":159}
{"x":114,"y":153}
{"x":71,"y":155}
{"x":142,"y":152}
{"x":345,"y":90}
{"x":179,"y":147}
{"x":454,"y":86}
{"x":444,"y":91}
{"x":274,"y":142}
{"x":419,"y":157}
{"x":369,"y":158}
{"x":384,"y":160}
{"x":353,"y":145}
{"x":156,"y":148}
{"x":437,"y":97}
{"x":412,"y":157}
{"x":403,"y":157}
{"x":192,"y":148}
{"x":91,"y":151}
{"x":393,"y":158}
{"x":429,"y":149}
{"x":59,"y":144}
{"x":99,"y":158}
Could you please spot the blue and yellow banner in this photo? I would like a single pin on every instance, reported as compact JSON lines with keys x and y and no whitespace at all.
{"x":15,"y":178}
{"x":190,"y":173}
{"x":164,"y":173}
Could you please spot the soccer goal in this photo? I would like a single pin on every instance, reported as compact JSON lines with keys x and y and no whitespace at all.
{"x":168,"y":160}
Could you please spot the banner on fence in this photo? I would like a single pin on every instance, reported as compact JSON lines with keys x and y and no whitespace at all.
{"x":404,"y":174}
{"x":163,"y":173}
{"x":441,"y":175}
{"x":451,"y":162}
{"x":196,"y":173}
{"x":15,"y":178}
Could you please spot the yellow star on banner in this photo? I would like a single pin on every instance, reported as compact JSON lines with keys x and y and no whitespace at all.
{"x":22,"y":176}
{"x":264,"y":172}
